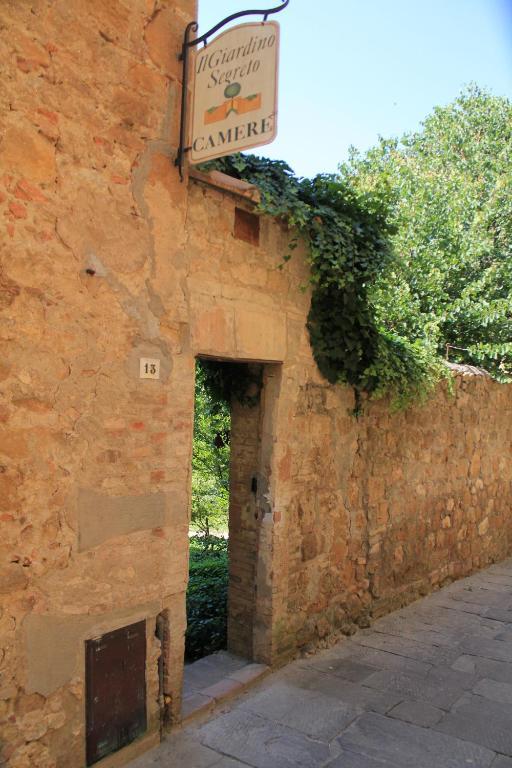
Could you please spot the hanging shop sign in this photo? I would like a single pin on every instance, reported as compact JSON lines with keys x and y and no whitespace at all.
{"x":234,"y":90}
{"x":234,"y":95}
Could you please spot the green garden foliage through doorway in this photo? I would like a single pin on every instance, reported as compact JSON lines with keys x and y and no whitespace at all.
{"x":207,"y":597}
{"x":208,"y":576}
{"x":210,"y":457}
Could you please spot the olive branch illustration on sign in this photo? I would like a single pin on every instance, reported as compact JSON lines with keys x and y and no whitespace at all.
{"x":234,"y":103}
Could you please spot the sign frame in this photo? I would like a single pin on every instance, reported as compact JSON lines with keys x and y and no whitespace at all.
{"x":192,"y":27}
{"x":260,"y":126}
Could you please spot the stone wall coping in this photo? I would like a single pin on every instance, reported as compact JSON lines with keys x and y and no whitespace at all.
{"x":467,"y":370}
{"x":227,"y":183}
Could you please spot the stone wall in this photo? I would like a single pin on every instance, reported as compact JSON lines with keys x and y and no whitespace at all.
{"x":401,"y":502}
{"x":106,"y":258}
{"x":95,"y":461}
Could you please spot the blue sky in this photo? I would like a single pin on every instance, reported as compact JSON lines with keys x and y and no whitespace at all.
{"x":352,"y":70}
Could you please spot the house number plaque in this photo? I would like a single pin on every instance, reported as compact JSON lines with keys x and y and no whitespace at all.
{"x":149,"y":368}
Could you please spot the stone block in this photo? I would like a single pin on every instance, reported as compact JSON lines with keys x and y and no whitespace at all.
{"x":212,"y":331}
{"x":163,"y":38}
{"x":52,"y":645}
{"x":195,"y":704}
{"x":250,"y":673}
{"x":102,"y":517}
{"x":211,"y":670}
{"x":483,"y":527}
{"x":224,"y":689}
{"x":12,"y":578}
{"x":103,"y":233}
{"x":260,"y":334}
{"x":26,"y":152}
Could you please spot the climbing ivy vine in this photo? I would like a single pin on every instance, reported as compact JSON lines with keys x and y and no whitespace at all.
{"x":348,"y":235}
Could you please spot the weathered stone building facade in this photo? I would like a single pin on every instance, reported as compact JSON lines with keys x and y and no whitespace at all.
{"x":107,"y":258}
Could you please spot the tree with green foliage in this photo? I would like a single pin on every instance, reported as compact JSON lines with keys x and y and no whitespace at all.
{"x":449,"y":193}
{"x":210,"y":458}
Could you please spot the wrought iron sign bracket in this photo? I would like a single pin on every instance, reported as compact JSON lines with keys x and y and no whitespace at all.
{"x":184,"y":58}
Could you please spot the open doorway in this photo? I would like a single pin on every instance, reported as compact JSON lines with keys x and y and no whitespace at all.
{"x":227,"y":468}
{"x":207,"y":596}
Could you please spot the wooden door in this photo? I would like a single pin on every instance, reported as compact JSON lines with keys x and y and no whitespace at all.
{"x":115,"y":690}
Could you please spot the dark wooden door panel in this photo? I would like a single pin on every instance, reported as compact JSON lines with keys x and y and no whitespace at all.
{"x":115,"y":690}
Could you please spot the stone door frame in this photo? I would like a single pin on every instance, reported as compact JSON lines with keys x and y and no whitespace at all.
{"x":250,"y":595}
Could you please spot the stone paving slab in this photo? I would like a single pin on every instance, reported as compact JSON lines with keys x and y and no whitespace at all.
{"x":450,"y":621}
{"x":401,"y":646}
{"x":496,"y":579}
{"x":501,"y":671}
{"x":180,"y":750}
{"x":502,"y":762}
{"x":417,"y":713}
{"x":497,"y":583}
{"x":417,"y":631}
{"x":355,"y":760}
{"x":211,"y":670}
{"x":314,"y":713}
{"x":353,"y":694}
{"x":449,"y":676}
{"x":216,"y":678}
{"x":490,"y":649}
{"x":262,"y":743}
{"x":417,"y":688}
{"x":494,"y":690}
{"x":429,"y":686}
{"x":347,"y":669}
{"x":376,"y":658}
{"x":481,"y":721}
{"x":480,"y":596}
{"x":500,"y":614}
{"x":404,"y":745}
{"x":462,"y":606}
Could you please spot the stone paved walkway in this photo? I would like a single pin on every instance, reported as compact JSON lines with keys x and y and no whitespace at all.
{"x":429,"y":686}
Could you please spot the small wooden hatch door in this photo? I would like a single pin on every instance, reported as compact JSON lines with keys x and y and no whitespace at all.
{"x":115,"y":679}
